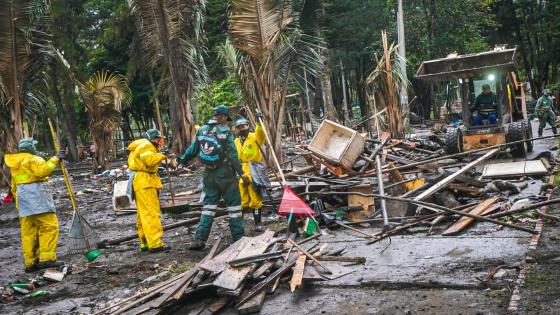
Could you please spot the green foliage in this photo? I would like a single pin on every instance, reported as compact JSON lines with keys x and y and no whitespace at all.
{"x":224,"y":92}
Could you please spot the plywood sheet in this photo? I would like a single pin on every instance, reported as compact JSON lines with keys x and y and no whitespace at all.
{"x":509,"y":169}
{"x":232,"y":277}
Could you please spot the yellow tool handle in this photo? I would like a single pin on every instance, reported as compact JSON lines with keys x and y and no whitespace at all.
{"x":63,"y":168}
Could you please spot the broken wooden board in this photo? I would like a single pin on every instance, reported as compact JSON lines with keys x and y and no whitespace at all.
{"x":219,"y":263}
{"x":120,"y":196}
{"x":53,"y":275}
{"x":254,"y":305}
{"x":366,"y":203}
{"x":463,"y":222}
{"x":232,"y":277}
{"x":298,"y":272}
{"x":219,"y":304}
{"x":510,"y":169}
{"x":443,"y":183}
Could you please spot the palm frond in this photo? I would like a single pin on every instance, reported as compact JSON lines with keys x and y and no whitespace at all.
{"x":254,"y":26}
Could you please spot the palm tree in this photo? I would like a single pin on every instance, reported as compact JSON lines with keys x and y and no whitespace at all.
{"x":24,"y":46}
{"x":103,"y":95}
{"x":170,"y":35}
{"x":270,"y":46}
{"x":385,"y":83}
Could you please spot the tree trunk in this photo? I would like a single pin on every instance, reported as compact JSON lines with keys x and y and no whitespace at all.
{"x":15,"y":133}
{"x":65,"y":114}
{"x":182,"y":118}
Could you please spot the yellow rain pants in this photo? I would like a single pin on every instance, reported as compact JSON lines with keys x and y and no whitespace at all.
{"x":144,"y":160}
{"x":249,"y":151}
{"x":148,"y":221}
{"x":39,"y":237}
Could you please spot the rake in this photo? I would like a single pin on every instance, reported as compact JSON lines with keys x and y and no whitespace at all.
{"x":82,"y":235}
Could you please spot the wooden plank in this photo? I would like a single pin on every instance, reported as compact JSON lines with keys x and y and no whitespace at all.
{"x":219,"y":263}
{"x":463,"y":222}
{"x":254,"y":305}
{"x":366,"y":203}
{"x":181,"y":287}
{"x":263,"y":269}
{"x":219,"y":304}
{"x":296,"y":280}
{"x":232,"y":277}
{"x":509,"y":169}
{"x":443,"y":183}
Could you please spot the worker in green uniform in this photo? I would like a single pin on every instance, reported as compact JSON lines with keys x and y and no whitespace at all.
{"x":486,"y":106}
{"x":215,"y":148}
{"x":544,"y":111}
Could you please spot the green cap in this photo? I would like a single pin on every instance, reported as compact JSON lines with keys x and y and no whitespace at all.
{"x":241,"y":122}
{"x":547,"y":92}
{"x":486,"y":86}
{"x":27,"y":145}
{"x":152,"y":134}
{"x":222,"y":110}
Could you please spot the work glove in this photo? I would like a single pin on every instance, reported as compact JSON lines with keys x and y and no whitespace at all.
{"x":245,"y":179}
{"x":165,"y":151}
{"x":258,"y":115}
{"x":61,"y":155}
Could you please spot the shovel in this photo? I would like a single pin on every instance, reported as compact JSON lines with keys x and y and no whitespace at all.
{"x":82,"y":236}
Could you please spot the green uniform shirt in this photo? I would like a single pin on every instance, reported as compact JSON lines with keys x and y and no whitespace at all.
{"x":224,"y":134}
{"x":544,"y":104}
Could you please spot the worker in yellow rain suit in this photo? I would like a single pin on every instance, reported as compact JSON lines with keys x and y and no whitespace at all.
{"x":145,"y":183}
{"x":34,"y":201}
{"x":248,"y":148}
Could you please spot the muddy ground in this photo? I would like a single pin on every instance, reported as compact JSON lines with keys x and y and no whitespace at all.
{"x":413,"y":273}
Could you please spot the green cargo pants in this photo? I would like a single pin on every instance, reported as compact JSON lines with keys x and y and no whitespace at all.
{"x":547,"y":117}
{"x":217,"y":183}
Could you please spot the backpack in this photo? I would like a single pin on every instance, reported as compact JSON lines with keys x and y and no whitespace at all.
{"x":211,"y":148}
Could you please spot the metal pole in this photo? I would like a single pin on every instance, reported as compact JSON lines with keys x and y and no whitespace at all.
{"x":381,"y":192}
{"x":308,"y":104}
{"x":402,"y":60}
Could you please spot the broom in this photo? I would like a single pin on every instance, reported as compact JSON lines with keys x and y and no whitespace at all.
{"x":82,"y":236}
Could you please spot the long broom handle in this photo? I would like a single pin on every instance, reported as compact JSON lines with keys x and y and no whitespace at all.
{"x":63,"y":168}
{"x":272,"y":150}
{"x":69,"y":184}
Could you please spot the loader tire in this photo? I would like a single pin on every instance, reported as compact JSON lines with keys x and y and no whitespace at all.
{"x":517,"y":131}
{"x":454,"y":141}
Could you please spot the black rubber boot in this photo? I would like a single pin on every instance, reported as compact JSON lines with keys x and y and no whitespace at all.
{"x":554,"y":131}
{"x":159,"y":249}
{"x":197,"y":245}
{"x":49,"y":264}
{"x":258,"y":220}
{"x":540,"y":132}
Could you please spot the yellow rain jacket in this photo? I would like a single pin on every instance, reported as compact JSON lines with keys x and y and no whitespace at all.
{"x":144,"y":160}
{"x":249,"y":151}
{"x":39,"y":225}
{"x":27,"y":168}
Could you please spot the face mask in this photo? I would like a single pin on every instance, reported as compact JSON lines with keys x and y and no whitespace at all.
{"x":244,"y":133}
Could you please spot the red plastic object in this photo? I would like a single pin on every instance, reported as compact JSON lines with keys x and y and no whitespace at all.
{"x":9,"y":198}
{"x":291,"y":202}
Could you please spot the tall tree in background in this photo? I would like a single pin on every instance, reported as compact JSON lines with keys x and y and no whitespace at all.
{"x":533,"y":27}
{"x":170,"y":35}
{"x":103,"y":95}
{"x":270,"y":46}
{"x":24,"y":48}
